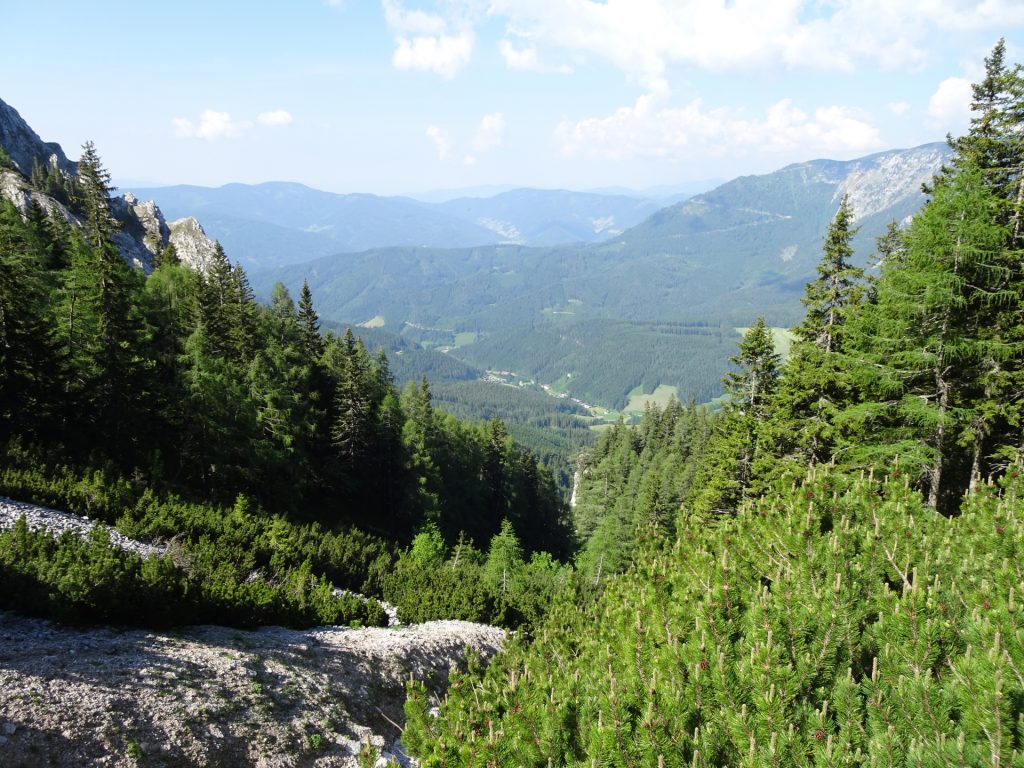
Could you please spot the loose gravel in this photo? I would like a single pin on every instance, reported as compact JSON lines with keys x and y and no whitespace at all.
{"x":211,"y":696}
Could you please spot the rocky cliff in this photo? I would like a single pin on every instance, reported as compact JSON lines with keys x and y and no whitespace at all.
{"x":145,"y":231}
{"x":25,"y":147}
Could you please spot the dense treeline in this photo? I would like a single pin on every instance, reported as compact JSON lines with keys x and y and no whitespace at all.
{"x":181,"y":382}
{"x":553,"y":429}
{"x":838,"y":580}
{"x":635,"y":478}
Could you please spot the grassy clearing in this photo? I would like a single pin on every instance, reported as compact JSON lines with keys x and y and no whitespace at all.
{"x":638,"y":400}
{"x":465,"y":338}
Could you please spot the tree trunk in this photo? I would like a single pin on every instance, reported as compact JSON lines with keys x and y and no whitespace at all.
{"x":942,"y":388}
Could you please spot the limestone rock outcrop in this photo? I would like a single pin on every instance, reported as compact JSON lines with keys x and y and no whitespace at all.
{"x":25,"y":147}
{"x":144,"y":230}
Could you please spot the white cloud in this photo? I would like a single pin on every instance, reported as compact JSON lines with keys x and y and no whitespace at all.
{"x":212,"y":125}
{"x":898,"y":107}
{"x":490,"y":133}
{"x":425,"y":41}
{"x":644,"y":37}
{"x":525,"y":59}
{"x":649,"y":128}
{"x":950,"y":106}
{"x":442,"y":143}
{"x":275,"y":118}
{"x":444,"y":55}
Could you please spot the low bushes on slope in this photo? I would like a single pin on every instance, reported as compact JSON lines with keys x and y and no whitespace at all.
{"x":840,"y":622}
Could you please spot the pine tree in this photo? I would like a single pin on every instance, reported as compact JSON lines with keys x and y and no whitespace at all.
{"x":353,"y":427}
{"x":919,"y":349}
{"x":309,"y":323}
{"x":28,"y":364}
{"x":95,"y":188}
{"x":814,"y":383}
{"x":829,"y":298}
{"x":727,"y":467}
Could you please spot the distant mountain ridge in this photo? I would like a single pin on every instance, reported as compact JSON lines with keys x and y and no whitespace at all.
{"x":277,"y":223}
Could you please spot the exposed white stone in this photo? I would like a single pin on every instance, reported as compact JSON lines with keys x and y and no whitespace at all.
{"x":882,"y":181}
{"x":24,"y":145}
{"x":194,"y":248}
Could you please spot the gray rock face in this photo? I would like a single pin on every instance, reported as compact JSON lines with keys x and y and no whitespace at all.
{"x":15,"y":188}
{"x":194,"y":248}
{"x":890,"y":177}
{"x":24,"y":145}
{"x":138,"y":243}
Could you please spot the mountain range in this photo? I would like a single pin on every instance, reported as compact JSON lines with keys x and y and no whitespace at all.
{"x":655,"y":305}
{"x":588,"y":295}
{"x":277,"y":223}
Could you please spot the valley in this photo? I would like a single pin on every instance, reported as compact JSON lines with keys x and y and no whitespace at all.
{"x":530,"y":477}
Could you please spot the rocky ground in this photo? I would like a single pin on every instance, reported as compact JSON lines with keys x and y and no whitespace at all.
{"x":211,"y":696}
{"x":57,"y":522}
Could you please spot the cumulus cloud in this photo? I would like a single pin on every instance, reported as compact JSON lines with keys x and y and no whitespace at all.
{"x":443,"y":55}
{"x":650,"y":128}
{"x":899,"y":107}
{"x":212,"y":125}
{"x":515,"y":58}
{"x":275,"y":118}
{"x":950,"y":106}
{"x":442,"y":143}
{"x":490,"y":133}
{"x":427,"y":41}
{"x":644,"y":37}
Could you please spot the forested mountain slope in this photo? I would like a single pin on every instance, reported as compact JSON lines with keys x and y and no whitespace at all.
{"x":676,"y":284}
{"x":828,"y":572}
{"x":281,"y":460}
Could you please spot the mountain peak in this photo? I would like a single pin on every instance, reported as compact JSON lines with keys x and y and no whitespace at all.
{"x":24,"y":145}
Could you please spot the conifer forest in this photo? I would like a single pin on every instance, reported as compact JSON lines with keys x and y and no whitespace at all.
{"x":824,"y":567}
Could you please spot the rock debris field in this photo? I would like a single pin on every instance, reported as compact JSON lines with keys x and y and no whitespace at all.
{"x":57,"y":522}
{"x":212,"y":696}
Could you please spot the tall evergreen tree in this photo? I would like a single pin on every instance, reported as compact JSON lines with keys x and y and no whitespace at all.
{"x":829,"y":298}
{"x":727,"y":468}
{"x":95,"y":187}
{"x":309,"y":323}
{"x":814,"y":383}
{"x":919,"y":349}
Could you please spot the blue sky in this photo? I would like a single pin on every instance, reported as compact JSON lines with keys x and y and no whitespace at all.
{"x":398,"y":96}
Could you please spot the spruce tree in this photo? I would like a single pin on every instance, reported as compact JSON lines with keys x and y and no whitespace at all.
{"x":919,"y":349}
{"x":727,"y":468}
{"x":814,"y":383}
{"x":95,"y":187}
{"x":309,"y":323}
{"x":829,"y":298}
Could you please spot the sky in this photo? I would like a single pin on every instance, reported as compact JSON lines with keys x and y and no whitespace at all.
{"x":406,"y":96}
